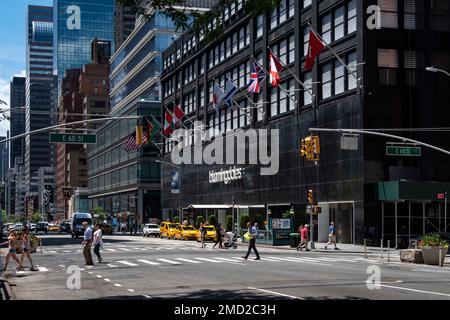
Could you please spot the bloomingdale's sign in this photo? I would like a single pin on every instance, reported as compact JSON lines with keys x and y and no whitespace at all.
{"x":226,"y":176}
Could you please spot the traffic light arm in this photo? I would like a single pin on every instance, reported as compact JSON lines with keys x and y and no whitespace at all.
{"x":375,"y":133}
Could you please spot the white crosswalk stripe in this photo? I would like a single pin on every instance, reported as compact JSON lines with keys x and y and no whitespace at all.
{"x":168,"y":261}
{"x":131,"y":264}
{"x":124,"y":249}
{"x":299,"y":260}
{"x":207,"y":260}
{"x":112,"y":250}
{"x":149,"y":262}
{"x":188,"y":260}
{"x":228,"y":260}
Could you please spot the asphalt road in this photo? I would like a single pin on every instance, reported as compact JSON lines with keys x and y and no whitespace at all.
{"x":142,"y":268}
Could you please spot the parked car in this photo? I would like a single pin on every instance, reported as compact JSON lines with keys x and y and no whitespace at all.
{"x":42,"y":226}
{"x":53,"y":228}
{"x":18,"y":227}
{"x":33,"y":227}
{"x":64,"y":227}
{"x":210,"y":233}
{"x":185,"y":233}
{"x":150,"y":229}
{"x":6,"y":228}
{"x":167,"y":230}
{"x":77,"y":223}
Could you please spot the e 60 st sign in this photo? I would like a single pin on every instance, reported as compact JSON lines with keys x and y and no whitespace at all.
{"x":70,"y":138}
{"x":403,"y":151}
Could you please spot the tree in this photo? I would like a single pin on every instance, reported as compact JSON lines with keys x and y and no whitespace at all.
{"x":229,"y":222}
{"x":185,"y":20}
{"x":100,"y":213}
{"x":212,"y":220}
{"x":200,"y":219}
{"x":176,"y":219}
{"x":243,"y":220}
{"x":36,"y":217}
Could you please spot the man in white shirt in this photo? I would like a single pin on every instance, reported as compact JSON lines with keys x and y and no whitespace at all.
{"x":87,"y":243}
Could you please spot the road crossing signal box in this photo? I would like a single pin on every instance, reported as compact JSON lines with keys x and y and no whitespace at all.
{"x":310,"y":148}
{"x":310,"y":197}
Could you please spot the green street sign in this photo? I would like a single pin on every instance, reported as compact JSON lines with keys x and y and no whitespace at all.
{"x":403,"y":151}
{"x":70,"y":138}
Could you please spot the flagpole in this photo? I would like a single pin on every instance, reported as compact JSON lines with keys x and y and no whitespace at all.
{"x":292,"y":73}
{"x":181,"y":120}
{"x":352,"y":72}
{"x":251,"y":100}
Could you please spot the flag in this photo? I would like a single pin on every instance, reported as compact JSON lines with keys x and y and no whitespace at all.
{"x":315,"y":47}
{"x":218,"y":95}
{"x":230,"y":91}
{"x":168,"y":128}
{"x":275,"y":68}
{"x":178,"y":115}
{"x":257,"y":76}
{"x":131,"y":143}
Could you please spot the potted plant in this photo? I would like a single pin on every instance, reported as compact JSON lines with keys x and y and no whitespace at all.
{"x":431,"y":245}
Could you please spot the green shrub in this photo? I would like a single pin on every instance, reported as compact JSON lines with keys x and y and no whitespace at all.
{"x":243,"y":220}
{"x":229,"y":222}
{"x":212,"y":220}
{"x":433,"y":240}
{"x":176,"y":219}
{"x":200,"y":219}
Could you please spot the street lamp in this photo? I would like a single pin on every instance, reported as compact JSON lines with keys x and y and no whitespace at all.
{"x":436,"y":70}
{"x":179,"y":187}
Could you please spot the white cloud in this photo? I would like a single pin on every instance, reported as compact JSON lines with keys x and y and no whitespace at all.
{"x":22,"y":74}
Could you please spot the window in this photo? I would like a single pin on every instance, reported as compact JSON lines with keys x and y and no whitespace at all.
{"x":388,"y":65}
{"x":306,"y":32}
{"x":326,"y":28}
{"x":282,"y":11}
{"x":351,"y":16}
{"x":282,"y":52}
{"x":307,"y":80}
{"x":410,"y":68}
{"x":229,"y":119}
{"x":242,"y":38}
{"x":339,"y":23}
{"x":291,"y":56}
{"x":259,"y":26}
{"x":307,"y":3}
{"x":326,"y":81}
{"x":260,"y":111}
{"x":389,"y":13}
{"x":228,"y":48}
{"x":202,"y":96}
{"x":339,"y":78}
{"x":234,"y":43}
{"x":410,"y":14}
{"x":352,"y":64}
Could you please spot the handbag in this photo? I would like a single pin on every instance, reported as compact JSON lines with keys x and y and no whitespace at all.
{"x":247,"y":236}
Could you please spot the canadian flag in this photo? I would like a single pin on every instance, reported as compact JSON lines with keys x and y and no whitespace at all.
{"x":178,"y":115}
{"x":315,"y":47}
{"x":275,"y":68}
{"x":168,"y":128}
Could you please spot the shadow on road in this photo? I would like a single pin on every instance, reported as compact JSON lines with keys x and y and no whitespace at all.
{"x":62,"y":239}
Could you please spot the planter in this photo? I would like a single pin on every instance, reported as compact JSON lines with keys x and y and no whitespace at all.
{"x":431,"y":255}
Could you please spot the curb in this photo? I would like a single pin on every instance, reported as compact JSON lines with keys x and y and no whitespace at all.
{"x":6,"y":292}
{"x":323,"y":250}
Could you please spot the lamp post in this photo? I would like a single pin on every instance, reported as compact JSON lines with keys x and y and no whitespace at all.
{"x":179,"y":187}
{"x":437,"y":70}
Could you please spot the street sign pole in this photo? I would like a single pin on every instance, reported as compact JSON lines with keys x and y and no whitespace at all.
{"x":445,"y":211}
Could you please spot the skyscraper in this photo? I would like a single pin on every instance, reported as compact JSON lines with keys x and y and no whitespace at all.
{"x":17,"y":123}
{"x":77,"y":24}
{"x":124,"y":20}
{"x":40,"y":89}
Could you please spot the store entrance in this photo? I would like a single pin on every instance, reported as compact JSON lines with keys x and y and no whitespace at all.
{"x":342,"y":215}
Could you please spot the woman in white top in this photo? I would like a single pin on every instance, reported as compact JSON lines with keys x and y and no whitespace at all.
{"x":98,"y":242}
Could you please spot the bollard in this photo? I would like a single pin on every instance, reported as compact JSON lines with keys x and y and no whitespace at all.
{"x":381,"y":248}
{"x":40,"y":243}
{"x":365,"y":248}
{"x":389,"y":251}
{"x":440,"y":258}
{"x":417,"y":246}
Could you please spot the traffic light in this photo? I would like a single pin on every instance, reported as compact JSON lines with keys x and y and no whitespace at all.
{"x":309,"y":197}
{"x":139,"y":132}
{"x":306,"y":148}
{"x":315,"y":141}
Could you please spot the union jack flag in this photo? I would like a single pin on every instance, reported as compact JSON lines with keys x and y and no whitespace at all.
{"x":257,"y":76}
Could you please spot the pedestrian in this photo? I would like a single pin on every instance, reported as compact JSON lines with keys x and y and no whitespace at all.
{"x":87,"y":244}
{"x":12,"y":238}
{"x":331,"y":236}
{"x":26,"y":249}
{"x":252,"y":245}
{"x":218,"y":237}
{"x":98,"y":241}
{"x":305,"y":238}
{"x":202,"y":230}
{"x":299,"y":230}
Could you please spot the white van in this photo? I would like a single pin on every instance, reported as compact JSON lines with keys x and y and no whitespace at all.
{"x":77,"y":223}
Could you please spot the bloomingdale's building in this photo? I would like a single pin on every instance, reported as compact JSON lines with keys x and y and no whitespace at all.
{"x":368,"y":194}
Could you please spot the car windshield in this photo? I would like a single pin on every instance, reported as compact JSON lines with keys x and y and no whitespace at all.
{"x":172,"y":225}
{"x":152,"y":226}
{"x":209,"y":228}
{"x":188,"y":228}
{"x":80,"y":221}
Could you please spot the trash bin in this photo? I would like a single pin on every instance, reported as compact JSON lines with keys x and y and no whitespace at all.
{"x":294,"y":239}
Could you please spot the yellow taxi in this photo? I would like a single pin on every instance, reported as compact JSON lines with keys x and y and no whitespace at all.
{"x":210,"y":233}
{"x":167,"y":229}
{"x":185,"y":233}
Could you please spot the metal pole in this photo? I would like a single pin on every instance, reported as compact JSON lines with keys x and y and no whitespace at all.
{"x":445,"y":212}
{"x":396,"y":225}
{"x":423,"y":219}
{"x":440,"y":257}
{"x":381,"y":248}
{"x":389,"y":251}
{"x":409,"y":224}
{"x":382,"y":220}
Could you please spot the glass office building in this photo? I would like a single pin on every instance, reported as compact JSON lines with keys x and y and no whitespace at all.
{"x":77,"y":24}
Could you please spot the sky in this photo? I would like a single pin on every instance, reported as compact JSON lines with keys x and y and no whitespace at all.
{"x":12,"y":44}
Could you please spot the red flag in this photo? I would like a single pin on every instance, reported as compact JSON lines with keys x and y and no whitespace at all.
{"x":168,"y":128}
{"x":314,"y":49}
{"x":275,"y":68}
{"x":178,"y":115}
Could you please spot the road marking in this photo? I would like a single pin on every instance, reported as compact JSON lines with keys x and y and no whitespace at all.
{"x":168,"y":261}
{"x":62,"y":266}
{"x":207,"y":260}
{"x":128,"y":263}
{"x":117,"y":284}
{"x":111,"y":249}
{"x":137,"y":249}
{"x":415,"y":290}
{"x":130,"y":290}
{"x":42,"y":269}
{"x":52,"y":251}
{"x":149,"y":262}
{"x":67,"y":251}
{"x":90,"y":272}
{"x":299,"y":260}
{"x":147,"y":296}
{"x":124,"y":249}
{"x":270,"y":260}
{"x":276,"y":293}
{"x":99,"y":276}
{"x":226,"y":260}
{"x":112,"y":265}
{"x":107,"y":280}
{"x":187,"y":260}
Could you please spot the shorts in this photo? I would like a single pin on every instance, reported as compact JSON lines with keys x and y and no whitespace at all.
{"x":12,"y":251}
{"x":26,"y":250}
{"x":331,"y":238}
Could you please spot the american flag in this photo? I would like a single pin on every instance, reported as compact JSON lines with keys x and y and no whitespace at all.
{"x":257,"y":76}
{"x":131,"y":143}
